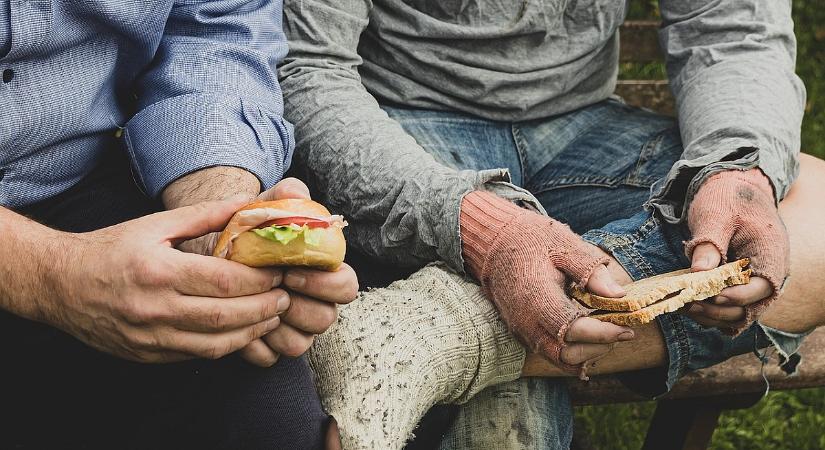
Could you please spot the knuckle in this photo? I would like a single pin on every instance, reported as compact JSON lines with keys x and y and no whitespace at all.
{"x":216,"y":318}
{"x":149,"y":273}
{"x":350,"y":289}
{"x":296,"y":347}
{"x":255,"y":332}
{"x":571,"y":355}
{"x":217,"y":351}
{"x":145,"y":341}
{"x":132,"y":311}
{"x":144,"y":357}
{"x":223,"y":283}
{"x":327,"y":317}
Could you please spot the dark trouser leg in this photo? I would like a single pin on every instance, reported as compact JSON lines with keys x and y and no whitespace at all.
{"x":58,"y":393}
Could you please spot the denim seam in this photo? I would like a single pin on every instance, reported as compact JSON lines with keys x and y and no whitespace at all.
{"x":521,"y":148}
{"x":450,"y":121}
{"x":682,"y":345}
{"x":607,"y":182}
{"x":647,"y":150}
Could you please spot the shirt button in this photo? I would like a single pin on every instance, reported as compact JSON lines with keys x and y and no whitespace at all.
{"x":8,"y":75}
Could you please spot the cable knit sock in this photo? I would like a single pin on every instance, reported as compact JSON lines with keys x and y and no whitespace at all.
{"x":396,"y":352}
{"x":521,"y":259}
{"x":736,"y":209}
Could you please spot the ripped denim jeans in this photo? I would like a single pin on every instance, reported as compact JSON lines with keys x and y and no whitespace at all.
{"x":592,"y":169}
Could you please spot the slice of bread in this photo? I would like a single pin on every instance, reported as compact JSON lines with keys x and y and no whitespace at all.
{"x":646,"y":299}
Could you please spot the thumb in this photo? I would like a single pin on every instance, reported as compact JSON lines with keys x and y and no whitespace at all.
{"x":705,"y":257}
{"x":193,"y":221}
{"x":286,"y":188}
{"x":602,"y":283}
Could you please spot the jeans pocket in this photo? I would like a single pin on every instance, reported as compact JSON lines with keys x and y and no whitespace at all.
{"x":612,"y":155}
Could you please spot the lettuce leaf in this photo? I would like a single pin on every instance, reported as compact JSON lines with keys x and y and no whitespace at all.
{"x":313,"y":236}
{"x":286,"y":234}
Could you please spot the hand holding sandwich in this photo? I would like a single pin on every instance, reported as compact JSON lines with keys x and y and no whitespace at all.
{"x":127,"y":291}
{"x":523,"y":260}
{"x":313,"y":293}
{"x":285,"y":228}
{"x":734,"y":211}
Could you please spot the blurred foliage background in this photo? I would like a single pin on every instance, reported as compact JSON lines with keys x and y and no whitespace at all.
{"x":790,"y":420}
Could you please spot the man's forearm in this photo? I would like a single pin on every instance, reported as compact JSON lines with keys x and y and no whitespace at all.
{"x":28,"y":251}
{"x":213,"y":183}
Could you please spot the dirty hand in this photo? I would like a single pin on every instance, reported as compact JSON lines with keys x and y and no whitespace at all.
{"x":734,"y":212}
{"x":523,"y":261}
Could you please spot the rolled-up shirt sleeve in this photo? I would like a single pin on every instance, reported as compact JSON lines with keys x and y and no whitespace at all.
{"x":211,"y":96}
{"x":740,"y":105}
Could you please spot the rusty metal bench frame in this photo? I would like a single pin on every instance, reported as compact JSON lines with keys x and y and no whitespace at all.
{"x":688,"y":415}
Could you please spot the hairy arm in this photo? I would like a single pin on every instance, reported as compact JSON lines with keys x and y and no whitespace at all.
{"x":213,"y":183}
{"x":34,"y":250}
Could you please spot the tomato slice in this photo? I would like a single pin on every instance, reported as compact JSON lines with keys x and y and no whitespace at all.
{"x":299,"y":221}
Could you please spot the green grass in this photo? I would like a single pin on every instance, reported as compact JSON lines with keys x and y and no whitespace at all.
{"x":792,"y":420}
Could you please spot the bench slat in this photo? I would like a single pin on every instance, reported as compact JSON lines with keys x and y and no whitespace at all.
{"x":652,"y":94}
{"x":734,"y":376}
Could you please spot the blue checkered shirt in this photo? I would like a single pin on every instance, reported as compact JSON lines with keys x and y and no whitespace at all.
{"x":181,"y":85}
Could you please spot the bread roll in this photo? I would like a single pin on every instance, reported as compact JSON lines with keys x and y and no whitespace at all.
{"x":252,"y":250}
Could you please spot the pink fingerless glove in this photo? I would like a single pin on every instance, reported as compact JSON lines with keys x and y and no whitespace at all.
{"x":735,"y":209}
{"x":521,"y":259}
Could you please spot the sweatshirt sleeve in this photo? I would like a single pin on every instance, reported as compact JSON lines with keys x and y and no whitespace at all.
{"x":740,"y":105}
{"x":402,"y":204}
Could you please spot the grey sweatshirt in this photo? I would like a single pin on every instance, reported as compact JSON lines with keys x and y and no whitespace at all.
{"x":730,"y":65}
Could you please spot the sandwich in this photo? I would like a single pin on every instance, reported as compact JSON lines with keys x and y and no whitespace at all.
{"x":289,"y":232}
{"x":646,"y":299}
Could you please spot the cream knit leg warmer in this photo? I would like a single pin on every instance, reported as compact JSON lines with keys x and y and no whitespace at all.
{"x":396,"y":352}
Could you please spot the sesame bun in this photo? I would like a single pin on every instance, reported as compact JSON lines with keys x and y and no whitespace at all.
{"x":252,"y":250}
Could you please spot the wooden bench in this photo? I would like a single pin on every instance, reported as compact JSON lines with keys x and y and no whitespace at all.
{"x":687,"y":416}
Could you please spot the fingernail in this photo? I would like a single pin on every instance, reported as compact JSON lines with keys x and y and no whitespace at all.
{"x":272,"y":323}
{"x":614,"y":286}
{"x":626,"y":335}
{"x":277,"y":279}
{"x":295,"y":280}
{"x":720,"y":300}
{"x":283,"y":302}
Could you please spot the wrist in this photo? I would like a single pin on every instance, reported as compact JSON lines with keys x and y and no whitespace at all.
{"x":26,"y":287}
{"x":483,"y":215}
{"x":59,"y":260}
{"x":212,"y":183}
